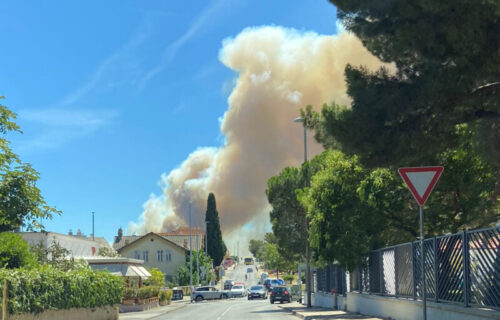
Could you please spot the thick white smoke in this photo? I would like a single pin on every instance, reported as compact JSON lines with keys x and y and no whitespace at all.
{"x":279,"y":71}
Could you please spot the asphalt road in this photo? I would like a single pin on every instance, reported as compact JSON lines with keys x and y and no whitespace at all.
{"x":236,"y":308}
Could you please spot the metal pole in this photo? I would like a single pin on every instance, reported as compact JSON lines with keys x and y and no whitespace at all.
{"x":308,"y":250}
{"x":93,"y":232}
{"x":422,"y":262}
{"x":197,"y":259}
{"x":190,"y":254}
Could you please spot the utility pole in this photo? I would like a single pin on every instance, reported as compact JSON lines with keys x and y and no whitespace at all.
{"x":197,"y":258}
{"x":93,"y":232}
{"x":308,"y":249}
{"x":190,"y":254}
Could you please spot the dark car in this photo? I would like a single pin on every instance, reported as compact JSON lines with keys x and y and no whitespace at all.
{"x":280,"y":294}
{"x":258,"y":292}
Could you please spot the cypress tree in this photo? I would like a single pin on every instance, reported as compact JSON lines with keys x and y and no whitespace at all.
{"x":215,"y":246}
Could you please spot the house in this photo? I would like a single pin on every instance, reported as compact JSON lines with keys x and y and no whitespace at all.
{"x":78,"y":245}
{"x":179,"y":236}
{"x":157,"y":252}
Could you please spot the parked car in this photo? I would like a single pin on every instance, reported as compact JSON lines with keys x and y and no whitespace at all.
{"x":249,"y":270}
{"x":238,"y":290}
{"x":263,"y":276}
{"x":257,"y":292}
{"x":280,"y":294}
{"x":228,"y":284}
{"x":208,"y":293}
{"x":271,"y":283}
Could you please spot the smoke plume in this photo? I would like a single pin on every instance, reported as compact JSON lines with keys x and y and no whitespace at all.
{"x":279,"y":72}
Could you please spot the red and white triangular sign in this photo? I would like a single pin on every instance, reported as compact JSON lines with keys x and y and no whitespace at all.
{"x":421,"y":181}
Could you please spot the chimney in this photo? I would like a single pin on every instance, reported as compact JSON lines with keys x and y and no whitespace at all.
{"x":70,"y":233}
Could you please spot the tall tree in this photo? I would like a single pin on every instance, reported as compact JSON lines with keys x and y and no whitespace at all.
{"x":21,"y":203}
{"x":216,"y":247}
{"x":447,"y":59}
{"x":254,"y":246}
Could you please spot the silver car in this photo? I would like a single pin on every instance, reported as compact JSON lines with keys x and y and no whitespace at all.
{"x":208,"y":293}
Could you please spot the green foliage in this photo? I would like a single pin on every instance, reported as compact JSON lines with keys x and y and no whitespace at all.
{"x":288,"y":216}
{"x":107,"y":252}
{"x":47,"y":288}
{"x":148,"y":292}
{"x":216,"y":247}
{"x":165,"y":295}
{"x":288,"y":277}
{"x":446,"y":55}
{"x":206,"y":274}
{"x":157,"y":278}
{"x":14,"y":252}
{"x":274,"y":260}
{"x":57,"y":256}
{"x":254,"y":246}
{"x":130,"y":293}
{"x":21,"y":203}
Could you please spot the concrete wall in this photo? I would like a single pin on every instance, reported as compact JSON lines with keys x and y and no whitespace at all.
{"x":102,"y":313}
{"x":152,"y":243}
{"x":407,"y":309}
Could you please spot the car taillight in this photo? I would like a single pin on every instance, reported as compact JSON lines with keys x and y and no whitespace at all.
{"x":286,"y":292}
{"x":271,"y":293}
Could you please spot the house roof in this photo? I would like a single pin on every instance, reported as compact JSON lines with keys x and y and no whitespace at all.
{"x":147,"y":234}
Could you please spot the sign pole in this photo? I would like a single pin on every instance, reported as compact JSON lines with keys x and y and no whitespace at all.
{"x":421,"y":181}
{"x":422,"y":261}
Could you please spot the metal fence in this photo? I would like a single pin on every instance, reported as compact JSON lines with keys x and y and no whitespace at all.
{"x":329,"y":278}
{"x":460,"y":268}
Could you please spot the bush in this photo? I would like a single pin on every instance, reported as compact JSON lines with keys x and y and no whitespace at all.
{"x":165,"y":295}
{"x":130,"y":293}
{"x":47,"y":288}
{"x":288,"y":277}
{"x":148,"y":292}
{"x":14,"y":252}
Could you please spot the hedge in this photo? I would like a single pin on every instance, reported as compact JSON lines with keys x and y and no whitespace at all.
{"x":47,"y":288}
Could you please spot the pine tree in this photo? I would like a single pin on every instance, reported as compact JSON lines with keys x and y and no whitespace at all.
{"x":215,"y":244}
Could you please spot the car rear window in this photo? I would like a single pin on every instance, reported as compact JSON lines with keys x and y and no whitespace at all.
{"x":256,"y":288}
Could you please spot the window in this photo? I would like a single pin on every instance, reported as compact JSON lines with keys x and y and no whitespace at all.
{"x":168,"y":256}
{"x":145,"y":256}
{"x":160,"y":255}
{"x":137,"y":254}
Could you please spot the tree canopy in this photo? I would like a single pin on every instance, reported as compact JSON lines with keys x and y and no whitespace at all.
{"x":21,"y":203}
{"x":215,"y":246}
{"x":446,"y":55}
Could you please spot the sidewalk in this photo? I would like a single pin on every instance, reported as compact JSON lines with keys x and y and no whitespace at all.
{"x":153,"y":313}
{"x":322,"y":313}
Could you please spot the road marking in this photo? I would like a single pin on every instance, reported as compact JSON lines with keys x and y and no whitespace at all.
{"x":222,"y":315}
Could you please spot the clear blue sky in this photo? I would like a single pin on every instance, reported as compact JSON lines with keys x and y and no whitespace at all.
{"x":111,"y":94}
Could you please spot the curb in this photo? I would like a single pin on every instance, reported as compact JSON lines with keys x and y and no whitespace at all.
{"x":294,"y":312}
{"x":180,"y":306}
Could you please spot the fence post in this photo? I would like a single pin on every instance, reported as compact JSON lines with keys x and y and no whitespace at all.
{"x":381,"y":272}
{"x":436,"y":271}
{"x":465,"y":248}
{"x":396,"y":271}
{"x":5,"y":300}
{"x":414,"y":274}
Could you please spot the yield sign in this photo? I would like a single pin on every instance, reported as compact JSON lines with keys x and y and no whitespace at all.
{"x":421,"y":181}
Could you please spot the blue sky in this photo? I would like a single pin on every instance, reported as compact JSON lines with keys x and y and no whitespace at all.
{"x":111,"y":94}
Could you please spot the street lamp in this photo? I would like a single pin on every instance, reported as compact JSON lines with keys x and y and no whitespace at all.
{"x":308,"y":253}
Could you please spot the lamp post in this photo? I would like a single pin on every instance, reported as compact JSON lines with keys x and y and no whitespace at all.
{"x":190,"y":255}
{"x":308,"y":251}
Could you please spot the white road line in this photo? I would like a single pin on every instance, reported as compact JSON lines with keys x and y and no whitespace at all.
{"x":222,"y":315}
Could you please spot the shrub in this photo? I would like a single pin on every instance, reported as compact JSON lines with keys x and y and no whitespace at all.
{"x":157,"y":278}
{"x":288,"y":277}
{"x":165,"y":295}
{"x":130,"y":293}
{"x":148,"y":292}
{"x":14,"y":252}
{"x":45,"y":287}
